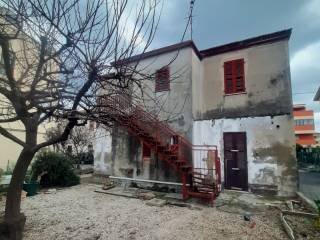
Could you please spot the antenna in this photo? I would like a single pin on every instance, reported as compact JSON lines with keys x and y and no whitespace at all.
{"x":191,"y":16}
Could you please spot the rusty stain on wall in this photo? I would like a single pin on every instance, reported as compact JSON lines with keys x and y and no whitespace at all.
{"x":276,"y":153}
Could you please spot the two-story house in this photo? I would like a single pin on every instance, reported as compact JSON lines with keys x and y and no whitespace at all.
{"x":235,"y":96}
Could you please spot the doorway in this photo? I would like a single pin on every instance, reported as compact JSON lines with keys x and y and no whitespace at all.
{"x":235,"y":161}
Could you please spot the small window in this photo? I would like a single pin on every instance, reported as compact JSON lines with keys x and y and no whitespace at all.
{"x":302,"y":122}
{"x":234,"y":81}
{"x":162,"y":80}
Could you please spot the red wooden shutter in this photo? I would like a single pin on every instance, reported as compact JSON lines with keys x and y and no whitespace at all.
{"x":234,"y":81}
{"x":162,"y":80}
{"x":228,"y":82}
{"x":239,"y":76}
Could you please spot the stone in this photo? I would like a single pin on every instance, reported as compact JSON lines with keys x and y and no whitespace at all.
{"x":247,"y":216}
{"x":146,"y":195}
{"x":108,"y":184}
{"x":289,"y":204}
{"x":156,"y":202}
{"x":51,"y":190}
{"x":23,"y":194}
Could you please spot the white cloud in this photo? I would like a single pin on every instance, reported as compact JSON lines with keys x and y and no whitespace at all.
{"x":305,"y":67}
{"x":311,"y":13}
{"x":129,"y":27}
{"x":313,"y":8}
{"x":307,"y":57}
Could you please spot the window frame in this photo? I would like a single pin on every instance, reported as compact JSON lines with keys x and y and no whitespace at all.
{"x":162,"y":79}
{"x":304,"y":122}
{"x":235,"y":75}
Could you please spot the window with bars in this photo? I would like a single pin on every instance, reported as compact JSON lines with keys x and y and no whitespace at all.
{"x":162,"y":80}
{"x":234,"y":80}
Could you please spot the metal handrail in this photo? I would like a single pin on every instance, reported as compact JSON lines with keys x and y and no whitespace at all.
{"x":151,"y":119}
{"x":131,"y":114}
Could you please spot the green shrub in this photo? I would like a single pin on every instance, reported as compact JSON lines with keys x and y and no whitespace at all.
{"x":56,"y":168}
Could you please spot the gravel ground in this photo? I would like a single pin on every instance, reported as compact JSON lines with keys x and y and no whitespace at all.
{"x":80,"y":213}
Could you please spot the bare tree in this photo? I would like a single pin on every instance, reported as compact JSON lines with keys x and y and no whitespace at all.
{"x":80,"y":140}
{"x":54,"y":132}
{"x":56,"y":55}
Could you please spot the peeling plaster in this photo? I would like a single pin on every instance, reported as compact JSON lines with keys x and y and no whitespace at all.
{"x":265,"y":176}
{"x":270,"y":150}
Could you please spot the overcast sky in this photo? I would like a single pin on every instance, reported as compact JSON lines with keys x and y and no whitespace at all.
{"x":219,"y":22}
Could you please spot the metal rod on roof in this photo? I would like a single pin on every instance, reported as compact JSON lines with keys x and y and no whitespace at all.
{"x":191,"y":16}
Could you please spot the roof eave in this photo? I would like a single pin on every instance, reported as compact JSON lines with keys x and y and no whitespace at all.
{"x":250,"y":42}
{"x":234,"y":46}
{"x":159,"y":51}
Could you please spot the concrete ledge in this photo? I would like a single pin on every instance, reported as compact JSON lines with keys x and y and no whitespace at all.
{"x":307,"y":201}
{"x":271,"y":190}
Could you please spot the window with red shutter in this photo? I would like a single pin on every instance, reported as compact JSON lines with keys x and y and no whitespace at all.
{"x":162,"y":80}
{"x":234,"y":80}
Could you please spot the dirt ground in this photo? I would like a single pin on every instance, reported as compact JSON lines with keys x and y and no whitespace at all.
{"x":81,"y":213}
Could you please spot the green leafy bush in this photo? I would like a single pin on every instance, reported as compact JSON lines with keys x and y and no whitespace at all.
{"x":56,"y":170}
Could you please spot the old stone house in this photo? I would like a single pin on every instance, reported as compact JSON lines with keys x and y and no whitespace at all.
{"x":235,"y":96}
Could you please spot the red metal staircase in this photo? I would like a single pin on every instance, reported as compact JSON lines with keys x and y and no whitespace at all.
{"x":198,"y":165}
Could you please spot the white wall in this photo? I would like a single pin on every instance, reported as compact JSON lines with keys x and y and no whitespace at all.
{"x":267,"y":81}
{"x":174,"y":105}
{"x":102,"y":148}
{"x":270,"y":148}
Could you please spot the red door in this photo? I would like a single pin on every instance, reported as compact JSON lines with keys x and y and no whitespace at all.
{"x":235,"y":160}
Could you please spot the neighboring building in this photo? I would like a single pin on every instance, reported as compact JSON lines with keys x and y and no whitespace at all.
{"x":317,"y":99}
{"x":9,"y":151}
{"x":304,"y":126}
{"x":236,"y":96}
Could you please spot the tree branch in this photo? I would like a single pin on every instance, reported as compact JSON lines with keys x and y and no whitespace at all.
{"x":10,"y":136}
{"x":10,"y":119}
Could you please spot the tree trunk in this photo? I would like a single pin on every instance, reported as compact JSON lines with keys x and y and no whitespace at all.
{"x":13,"y":223}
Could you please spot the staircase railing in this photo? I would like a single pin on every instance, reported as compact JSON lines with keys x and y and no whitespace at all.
{"x":203,"y":159}
{"x":121,"y":106}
